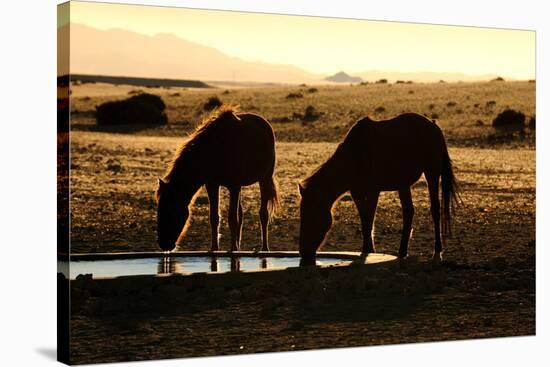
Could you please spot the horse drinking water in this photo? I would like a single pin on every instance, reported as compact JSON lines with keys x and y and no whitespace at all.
{"x":379,"y":156}
{"x":227,"y":149}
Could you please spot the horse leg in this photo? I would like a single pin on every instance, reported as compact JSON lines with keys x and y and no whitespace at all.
{"x":408,"y":214}
{"x":213,"y":192}
{"x":240,"y":222}
{"x":264,"y":218}
{"x":232,"y":219}
{"x":433,"y":188}
{"x":366,"y":204}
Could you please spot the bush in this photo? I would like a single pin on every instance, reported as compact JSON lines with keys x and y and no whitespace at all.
{"x":498,"y":79}
{"x":451,"y":104}
{"x":532,"y":123}
{"x":399,"y":82}
{"x":294,"y":95}
{"x":311,"y":114}
{"x":382,"y":81}
{"x":139,"y":109}
{"x":509,"y":118}
{"x":312,"y":90}
{"x":380,"y":109}
{"x":212,"y":103}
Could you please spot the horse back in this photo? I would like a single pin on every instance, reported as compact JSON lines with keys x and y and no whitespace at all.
{"x":243,"y":152}
{"x":394,"y":153}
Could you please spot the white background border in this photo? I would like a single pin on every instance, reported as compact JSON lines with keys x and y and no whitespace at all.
{"x":28,"y":179}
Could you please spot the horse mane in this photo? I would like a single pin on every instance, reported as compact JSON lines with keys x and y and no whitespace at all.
{"x":349,"y":142}
{"x":202,"y":131}
{"x":317,"y":173}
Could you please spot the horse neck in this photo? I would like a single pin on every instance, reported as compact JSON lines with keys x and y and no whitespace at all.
{"x":185,"y":183}
{"x":333,"y":179}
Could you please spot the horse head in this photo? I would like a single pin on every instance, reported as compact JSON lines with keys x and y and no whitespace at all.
{"x":172,"y":215}
{"x":315,"y":222}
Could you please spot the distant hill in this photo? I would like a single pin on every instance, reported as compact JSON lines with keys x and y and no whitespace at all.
{"x":126,"y":53}
{"x":144,"y":82}
{"x":424,"y":77}
{"x":342,"y":77}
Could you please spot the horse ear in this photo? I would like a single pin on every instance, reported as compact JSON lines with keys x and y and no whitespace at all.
{"x":301,"y":188}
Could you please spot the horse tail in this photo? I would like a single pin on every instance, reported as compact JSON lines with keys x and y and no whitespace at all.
{"x":271,"y":191}
{"x":449,"y":193}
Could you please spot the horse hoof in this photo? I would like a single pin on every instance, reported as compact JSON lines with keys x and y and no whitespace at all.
{"x":437,"y":258}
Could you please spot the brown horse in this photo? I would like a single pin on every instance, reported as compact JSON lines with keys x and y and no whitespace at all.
{"x":379,"y":156}
{"x":227,"y":149}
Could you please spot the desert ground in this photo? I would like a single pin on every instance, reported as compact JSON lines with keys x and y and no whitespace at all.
{"x":484,"y":288}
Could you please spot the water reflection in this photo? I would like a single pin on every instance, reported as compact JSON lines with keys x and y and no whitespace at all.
{"x":214,"y":264}
{"x":169,"y":265}
{"x":235,"y":264}
{"x":182,"y":265}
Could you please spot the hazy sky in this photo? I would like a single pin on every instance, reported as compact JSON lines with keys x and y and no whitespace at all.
{"x":325,"y":45}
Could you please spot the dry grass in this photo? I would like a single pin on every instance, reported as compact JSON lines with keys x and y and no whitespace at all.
{"x":458,"y":107}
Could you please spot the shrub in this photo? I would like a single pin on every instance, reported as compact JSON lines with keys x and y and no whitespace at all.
{"x":411,"y":92}
{"x":139,"y":109}
{"x":379,"y":109}
{"x":311,"y":114}
{"x":451,"y":104}
{"x":431,"y":106}
{"x":532,"y":123}
{"x":509,"y":118}
{"x":312,"y":90}
{"x":294,"y":95}
{"x":409,"y":82}
{"x":490,"y":103}
{"x":498,"y":79}
{"x":382,"y":81}
{"x":212,"y":103}
{"x":434,"y":116}
{"x":399,"y":82}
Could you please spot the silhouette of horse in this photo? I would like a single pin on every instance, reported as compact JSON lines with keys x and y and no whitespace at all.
{"x":227,"y":149}
{"x":379,"y":156}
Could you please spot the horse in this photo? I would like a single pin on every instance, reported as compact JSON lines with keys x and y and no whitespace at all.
{"x":227,"y":149}
{"x":376,"y":156}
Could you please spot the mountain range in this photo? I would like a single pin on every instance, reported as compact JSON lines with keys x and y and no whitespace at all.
{"x":119,"y":52}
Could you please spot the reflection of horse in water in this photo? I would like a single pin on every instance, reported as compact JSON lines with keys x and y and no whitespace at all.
{"x":234,"y":264}
{"x":379,"y":156}
{"x":168,"y":265}
{"x":228,"y":149}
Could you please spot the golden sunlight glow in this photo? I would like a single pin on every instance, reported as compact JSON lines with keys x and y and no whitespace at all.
{"x":328,"y":45}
